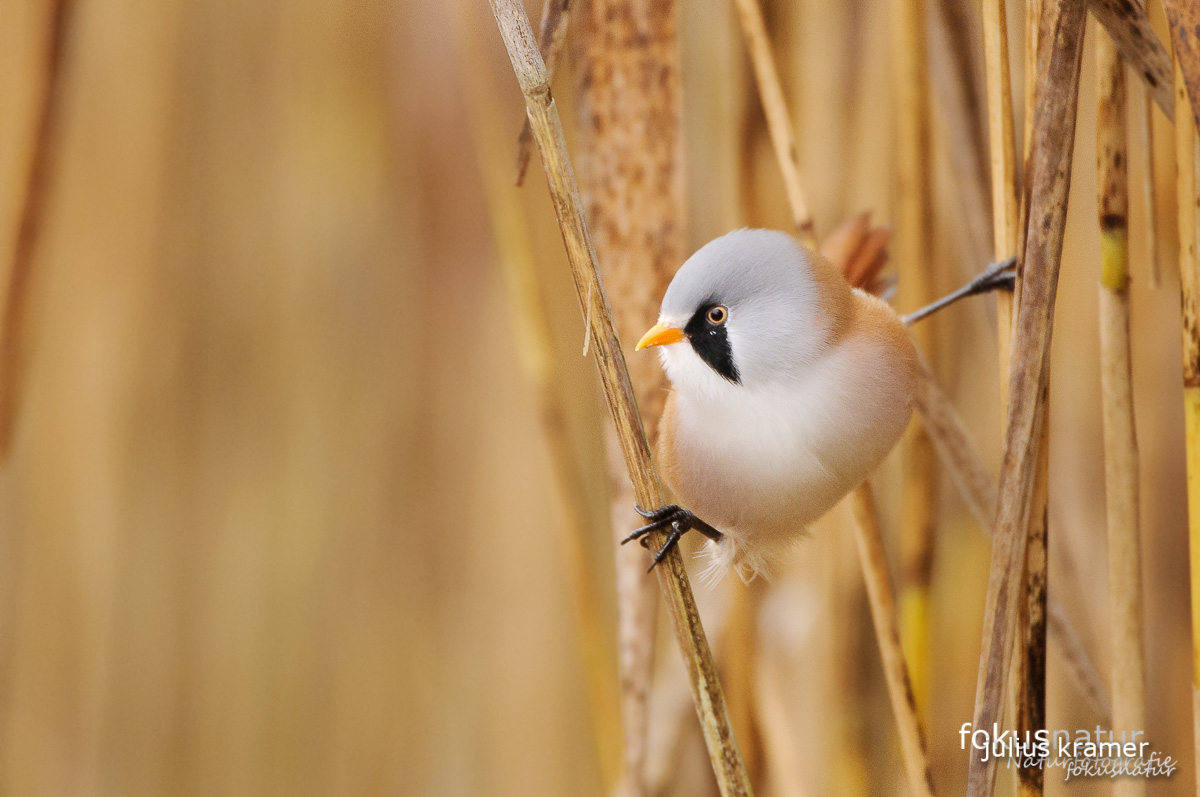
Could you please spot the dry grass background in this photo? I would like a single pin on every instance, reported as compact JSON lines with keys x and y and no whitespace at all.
{"x":278,"y":516}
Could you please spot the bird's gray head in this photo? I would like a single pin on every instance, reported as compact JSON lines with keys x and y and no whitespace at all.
{"x":747,"y":310}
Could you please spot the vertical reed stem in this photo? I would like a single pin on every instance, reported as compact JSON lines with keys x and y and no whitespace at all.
{"x":1116,"y":382}
{"x":1005,"y":211}
{"x":1144,"y":112}
{"x":628,"y":103}
{"x":916,"y":289}
{"x":779,"y":123}
{"x":1187,"y":185}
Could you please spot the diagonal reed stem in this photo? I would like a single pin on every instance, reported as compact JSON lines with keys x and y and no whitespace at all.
{"x":1128,"y":23}
{"x":547,"y":131}
{"x":15,"y":294}
{"x":887,"y":630}
{"x":552,"y":34}
{"x":1029,"y":660}
{"x":1050,"y":158}
{"x":1183,"y":17}
{"x":779,"y":123}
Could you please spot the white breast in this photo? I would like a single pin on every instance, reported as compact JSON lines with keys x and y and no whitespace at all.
{"x":763,"y":464}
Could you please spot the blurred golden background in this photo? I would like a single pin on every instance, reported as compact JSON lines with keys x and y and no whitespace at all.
{"x":278,"y":515}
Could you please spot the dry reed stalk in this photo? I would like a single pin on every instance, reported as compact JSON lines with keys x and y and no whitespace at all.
{"x":536,"y":355}
{"x":1005,"y":211}
{"x":883,"y":613}
{"x":1062,"y":27}
{"x":954,"y":23}
{"x":1128,"y":23}
{"x":628,"y":101}
{"x":1187,"y":186}
{"x":957,"y":105}
{"x":1144,"y":114}
{"x":672,"y":578}
{"x":779,"y":123}
{"x":783,"y":741}
{"x":1116,"y":382}
{"x":782,"y":744}
{"x":673,"y":709}
{"x":552,"y":32}
{"x":1033,"y":22}
{"x":979,"y":493}
{"x":1078,"y":662}
{"x":916,"y":289}
{"x":955,"y":448}
{"x":14,"y":301}
{"x":851,"y":651}
{"x":767,"y":77}
{"x":1029,"y":668}
{"x":739,"y":667}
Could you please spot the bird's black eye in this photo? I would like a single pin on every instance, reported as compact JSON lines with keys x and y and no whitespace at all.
{"x":717,"y":314}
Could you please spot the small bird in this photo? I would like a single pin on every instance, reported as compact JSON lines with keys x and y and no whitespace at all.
{"x":789,"y":387}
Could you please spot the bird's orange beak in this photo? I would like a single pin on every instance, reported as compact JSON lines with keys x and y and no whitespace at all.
{"x":659,"y":335}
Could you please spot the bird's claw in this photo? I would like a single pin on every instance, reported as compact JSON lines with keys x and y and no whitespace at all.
{"x":998,"y":276}
{"x":679,"y":519}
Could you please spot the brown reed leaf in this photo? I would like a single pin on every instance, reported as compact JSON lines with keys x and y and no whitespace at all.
{"x":1184,"y":19}
{"x":1128,"y":23}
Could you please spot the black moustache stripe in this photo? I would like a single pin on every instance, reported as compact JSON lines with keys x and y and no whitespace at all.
{"x":711,"y":342}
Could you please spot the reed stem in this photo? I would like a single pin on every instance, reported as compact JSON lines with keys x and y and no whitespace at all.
{"x":628,"y":99}
{"x":1005,"y":211}
{"x":1030,"y":664}
{"x":1144,"y":113}
{"x":779,"y":123}
{"x":1187,"y":186}
{"x":887,"y":631}
{"x":1062,"y":27}
{"x":1128,"y":23}
{"x":1183,"y":18}
{"x":1116,"y":382}
{"x":552,"y":32}
{"x":916,"y":288}
{"x":13,"y":300}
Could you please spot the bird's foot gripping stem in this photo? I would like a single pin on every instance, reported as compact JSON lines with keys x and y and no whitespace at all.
{"x":680,"y":521}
